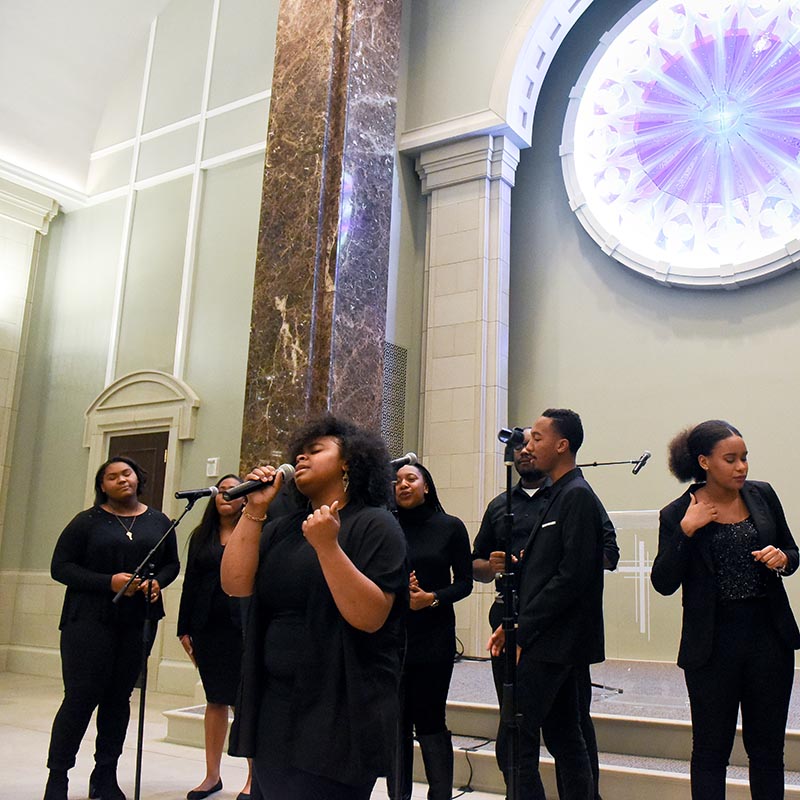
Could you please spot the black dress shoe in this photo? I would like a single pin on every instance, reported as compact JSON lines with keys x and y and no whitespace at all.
{"x":199,"y":794}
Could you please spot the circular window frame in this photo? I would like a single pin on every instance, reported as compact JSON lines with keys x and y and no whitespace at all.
{"x":783,"y":258}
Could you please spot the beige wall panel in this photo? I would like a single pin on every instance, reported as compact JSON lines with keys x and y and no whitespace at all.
{"x":179,"y":61}
{"x":239,"y":128}
{"x":244,"y":50}
{"x":406,"y":286}
{"x":220,"y":325}
{"x":168,"y":152}
{"x":65,"y":368}
{"x":110,"y":172}
{"x":152,"y":290}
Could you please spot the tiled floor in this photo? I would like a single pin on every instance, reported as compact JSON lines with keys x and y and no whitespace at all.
{"x":27,"y":707}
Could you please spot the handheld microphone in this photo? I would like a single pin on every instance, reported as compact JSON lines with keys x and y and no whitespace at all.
{"x":404,"y":461}
{"x":287,"y":470}
{"x":193,"y":494}
{"x":643,"y":459}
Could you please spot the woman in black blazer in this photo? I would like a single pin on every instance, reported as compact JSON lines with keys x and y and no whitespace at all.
{"x":726,"y":543}
{"x":210,"y":628}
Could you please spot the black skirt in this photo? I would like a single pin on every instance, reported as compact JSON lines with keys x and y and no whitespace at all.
{"x":218,"y":652}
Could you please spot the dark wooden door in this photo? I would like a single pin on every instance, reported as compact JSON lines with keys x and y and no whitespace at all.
{"x":149,"y":450}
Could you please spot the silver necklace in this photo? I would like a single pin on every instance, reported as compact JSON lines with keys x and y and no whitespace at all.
{"x":128,"y":531}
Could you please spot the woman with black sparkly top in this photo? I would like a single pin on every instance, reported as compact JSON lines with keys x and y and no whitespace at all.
{"x":726,"y":544}
{"x":101,"y":642}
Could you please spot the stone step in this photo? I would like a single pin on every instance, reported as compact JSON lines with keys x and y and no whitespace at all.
{"x":633,"y":736}
{"x":639,"y":757}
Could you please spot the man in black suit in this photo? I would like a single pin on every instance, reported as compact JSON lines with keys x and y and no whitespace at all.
{"x":560,"y":628}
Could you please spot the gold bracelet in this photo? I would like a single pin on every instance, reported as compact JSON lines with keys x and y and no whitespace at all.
{"x":250,"y":516}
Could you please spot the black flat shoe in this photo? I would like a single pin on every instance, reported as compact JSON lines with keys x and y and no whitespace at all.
{"x":243,"y":796}
{"x":199,"y":794}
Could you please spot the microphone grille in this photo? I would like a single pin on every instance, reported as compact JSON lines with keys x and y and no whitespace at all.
{"x":287,"y":470}
{"x":412,"y":458}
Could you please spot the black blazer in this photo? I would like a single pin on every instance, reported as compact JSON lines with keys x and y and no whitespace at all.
{"x":561,"y":577}
{"x":686,"y":562}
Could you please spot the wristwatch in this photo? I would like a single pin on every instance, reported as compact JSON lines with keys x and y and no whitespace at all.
{"x":435,"y":600}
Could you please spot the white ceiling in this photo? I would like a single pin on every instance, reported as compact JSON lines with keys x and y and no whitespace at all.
{"x":59,"y":60}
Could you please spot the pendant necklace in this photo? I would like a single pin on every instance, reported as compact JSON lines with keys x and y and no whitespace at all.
{"x":128,"y":531}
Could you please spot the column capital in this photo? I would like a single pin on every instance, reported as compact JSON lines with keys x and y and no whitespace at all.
{"x":26,"y":206}
{"x":478,"y":158}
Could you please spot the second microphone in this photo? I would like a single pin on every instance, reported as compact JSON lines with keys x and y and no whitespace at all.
{"x":287,"y":470}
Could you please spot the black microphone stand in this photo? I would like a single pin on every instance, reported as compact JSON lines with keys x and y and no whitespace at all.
{"x":509,"y":716}
{"x":147,"y":634}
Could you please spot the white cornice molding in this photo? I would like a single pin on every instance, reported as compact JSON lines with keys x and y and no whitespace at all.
{"x":481,"y":123}
{"x":68,"y":199}
{"x":26,"y":206}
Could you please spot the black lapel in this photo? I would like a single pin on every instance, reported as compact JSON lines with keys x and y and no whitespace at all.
{"x":555,"y":491}
{"x":702,"y":541}
{"x":759,"y":511}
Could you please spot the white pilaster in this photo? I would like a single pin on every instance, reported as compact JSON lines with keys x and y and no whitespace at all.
{"x":24,"y":217}
{"x":465,"y":341}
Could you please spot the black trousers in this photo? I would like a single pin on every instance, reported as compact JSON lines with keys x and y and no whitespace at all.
{"x":424,"y":692}
{"x":99,"y":665}
{"x":549,"y":704}
{"x":750,"y":667}
{"x":529,"y":745}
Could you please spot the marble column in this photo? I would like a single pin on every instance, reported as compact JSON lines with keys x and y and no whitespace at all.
{"x":465,"y":353}
{"x":319,"y":304}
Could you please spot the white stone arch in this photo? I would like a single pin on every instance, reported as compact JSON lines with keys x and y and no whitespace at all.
{"x":529,"y":51}
{"x":145,"y":401}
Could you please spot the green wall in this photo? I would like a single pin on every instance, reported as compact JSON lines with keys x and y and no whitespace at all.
{"x":64,"y":371}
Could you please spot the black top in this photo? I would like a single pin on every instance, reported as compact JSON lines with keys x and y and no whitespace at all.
{"x":94,"y":547}
{"x":492,"y":533}
{"x":527,"y":510}
{"x":329,"y":690}
{"x":737,"y":574}
{"x":203,"y":602}
{"x":687,"y":563}
{"x":561,"y":577}
{"x":438,"y":545}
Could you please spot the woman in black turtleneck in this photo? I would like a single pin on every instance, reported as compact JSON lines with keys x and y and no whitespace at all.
{"x":441,"y":574}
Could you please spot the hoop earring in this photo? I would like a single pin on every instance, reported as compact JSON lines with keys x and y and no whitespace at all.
{"x":345,"y":481}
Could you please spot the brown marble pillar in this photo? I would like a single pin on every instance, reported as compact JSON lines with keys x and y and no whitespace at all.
{"x":319,"y":304}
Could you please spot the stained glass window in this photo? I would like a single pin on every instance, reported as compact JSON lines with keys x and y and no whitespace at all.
{"x":681,"y":147}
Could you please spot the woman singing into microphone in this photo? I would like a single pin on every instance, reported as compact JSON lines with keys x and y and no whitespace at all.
{"x":726,"y":544}
{"x":318,"y":702}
